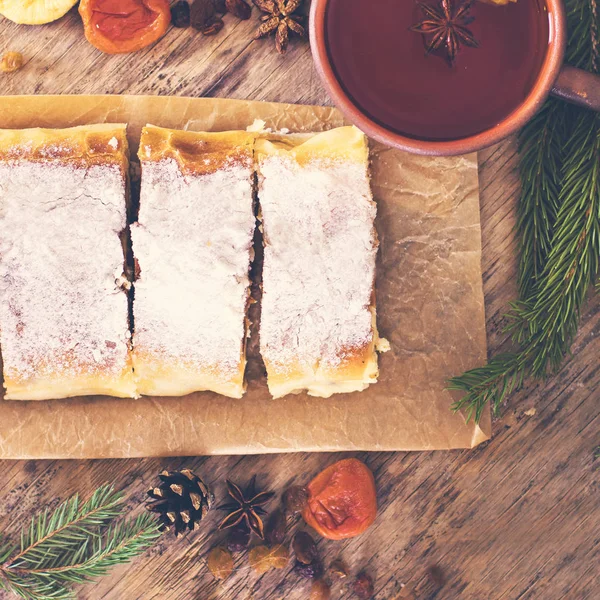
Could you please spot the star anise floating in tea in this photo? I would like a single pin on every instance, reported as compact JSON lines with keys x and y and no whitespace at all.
{"x":279,"y":18}
{"x":445,"y":27}
{"x":247,"y":506}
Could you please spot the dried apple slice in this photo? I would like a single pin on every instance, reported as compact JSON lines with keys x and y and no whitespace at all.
{"x":35,"y":12}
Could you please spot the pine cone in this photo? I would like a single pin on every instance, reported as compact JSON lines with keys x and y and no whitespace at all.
{"x":181,"y":500}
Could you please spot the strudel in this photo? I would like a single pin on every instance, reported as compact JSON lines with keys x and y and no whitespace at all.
{"x":193,"y":247}
{"x":63,"y":313}
{"x":318,"y":331}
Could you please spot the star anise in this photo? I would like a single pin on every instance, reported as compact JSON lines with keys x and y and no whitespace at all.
{"x":247,"y":505}
{"x":445,"y":26}
{"x":279,"y":18}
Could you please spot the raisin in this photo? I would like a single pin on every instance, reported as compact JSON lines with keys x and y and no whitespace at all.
{"x":239,"y":9}
{"x":202,"y":12}
{"x":180,"y":14}
{"x":213,"y":26}
{"x":363,"y":586}
{"x":320,"y":590}
{"x":238,"y":539}
{"x":263,"y":558}
{"x":11,"y":62}
{"x":220,"y":563}
{"x":305,"y":548}
{"x":314,"y":570}
{"x":276,"y":528}
{"x":295,"y":499}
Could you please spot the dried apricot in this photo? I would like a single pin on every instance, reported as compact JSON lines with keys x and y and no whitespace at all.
{"x":119,"y":26}
{"x":342,"y":501}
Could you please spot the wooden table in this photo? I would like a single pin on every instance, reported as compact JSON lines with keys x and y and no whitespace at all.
{"x":518,"y":517}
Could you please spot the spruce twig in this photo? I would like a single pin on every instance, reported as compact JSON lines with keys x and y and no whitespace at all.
{"x":75,"y":544}
{"x":540,"y":168}
{"x":573,"y":261}
{"x":49,"y":537}
{"x":491,"y":384}
{"x":559,"y":224}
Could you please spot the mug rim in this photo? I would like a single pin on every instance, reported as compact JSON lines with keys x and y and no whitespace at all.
{"x":513,"y":122}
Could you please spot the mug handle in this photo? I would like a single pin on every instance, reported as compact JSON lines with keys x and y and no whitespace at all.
{"x":578,"y":87}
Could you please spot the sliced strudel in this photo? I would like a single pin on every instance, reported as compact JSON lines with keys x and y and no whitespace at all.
{"x":193,"y":247}
{"x":63,"y":315}
{"x":318,"y":330}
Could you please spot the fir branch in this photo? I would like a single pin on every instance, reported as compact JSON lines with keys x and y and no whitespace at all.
{"x":572,"y":264}
{"x":582,"y":24}
{"x":36,"y":588}
{"x":491,"y":383}
{"x":50,"y":537}
{"x":73,"y":545}
{"x":560,"y":233}
{"x":120,"y":543}
{"x":541,"y":155}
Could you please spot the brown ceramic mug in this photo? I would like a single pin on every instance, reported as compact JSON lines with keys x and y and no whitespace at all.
{"x":560,"y":80}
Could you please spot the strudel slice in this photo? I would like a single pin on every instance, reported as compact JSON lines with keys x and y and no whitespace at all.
{"x":193,"y":247}
{"x":318,"y":330}
{"x":63,"y":314}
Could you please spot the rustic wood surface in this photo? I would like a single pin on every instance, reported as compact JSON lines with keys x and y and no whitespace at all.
{"x":518,"y":517}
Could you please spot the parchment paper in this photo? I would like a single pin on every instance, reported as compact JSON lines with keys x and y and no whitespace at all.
{"x":429,"y":303}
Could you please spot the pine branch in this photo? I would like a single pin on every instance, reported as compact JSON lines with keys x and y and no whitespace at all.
{"x":551,"y":317}
{"x":75,"y":544}
{"x":541,"y":155}
{"x":559,"y":223}
{"x":582,"y":24}
{"x":547,"y":322}
{"x":120,"y":543}
{"x":572,"y":265}
{"x":491,"y":383}
{"x":36,"y":588}
{"x":52,"y":537}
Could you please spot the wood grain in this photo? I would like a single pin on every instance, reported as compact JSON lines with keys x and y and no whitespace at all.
{"x":517,"y":518}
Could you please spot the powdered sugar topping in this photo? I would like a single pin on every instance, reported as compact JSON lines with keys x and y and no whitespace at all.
{"x":319,"y":263}
{"x":61,"y":312}
{"x":193,"y":243}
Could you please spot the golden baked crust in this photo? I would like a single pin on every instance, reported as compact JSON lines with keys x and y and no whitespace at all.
{"x":347,"y":144}
{"x":64,"y":317}
{"x":156,"y":377}
{"x":317,"y":355}
{"x":193,"y":243}
{"x":196,"y":153}
{"x":101,"y":144}
{"x":355,"y":372}
{"x":85,"y":384}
